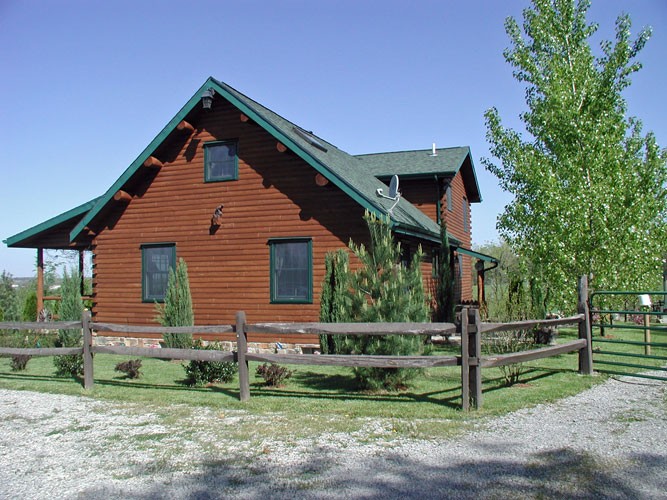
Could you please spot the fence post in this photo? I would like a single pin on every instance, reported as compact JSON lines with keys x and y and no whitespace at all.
{"x":242,"y":350}
{"x":88,"y":379}
{"x":475,"y":349}
{"x":585,"y":353}
{"x":465,"y":362}
{"x":471,"y":375}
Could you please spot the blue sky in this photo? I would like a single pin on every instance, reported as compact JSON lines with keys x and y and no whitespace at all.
{"x":87,"y":85}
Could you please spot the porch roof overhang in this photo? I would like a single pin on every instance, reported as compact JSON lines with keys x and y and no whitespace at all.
{"x":480,"y":256}
{"x":53,"y":233}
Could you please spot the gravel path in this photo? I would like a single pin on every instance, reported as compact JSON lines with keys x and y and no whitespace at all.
{"x":607,"y":442}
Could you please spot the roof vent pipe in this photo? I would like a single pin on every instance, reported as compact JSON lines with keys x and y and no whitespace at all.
{"x":434,"y":152}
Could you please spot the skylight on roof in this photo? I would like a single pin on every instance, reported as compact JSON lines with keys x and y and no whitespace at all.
{"x":309,"y":138}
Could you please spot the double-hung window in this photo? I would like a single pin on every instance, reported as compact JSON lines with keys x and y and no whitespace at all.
{"x":156,"y":261}
{"x":221,"y":161}
{"x":291,"y":270}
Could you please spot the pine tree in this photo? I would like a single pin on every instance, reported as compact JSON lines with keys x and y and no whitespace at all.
{"x":382,"y":290}
{"x":445,"y":297}
{"x":177,"y":308}
{"x":332,"y":298}
{"x":30,"y":307}
{"x":71,"y":309}
{"x":9,"y":302}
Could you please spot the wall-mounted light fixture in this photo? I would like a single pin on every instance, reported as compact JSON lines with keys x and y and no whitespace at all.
{"x":207,"y":98}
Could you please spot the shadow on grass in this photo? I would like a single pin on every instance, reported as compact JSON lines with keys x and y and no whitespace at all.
{"x":501,"y":383}
{"x":495,"y":473}
{"x":41,"y":378}
{"x":315,"y":386}
{"x":343,"y":388}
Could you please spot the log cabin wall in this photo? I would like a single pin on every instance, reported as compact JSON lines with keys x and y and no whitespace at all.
{"x":423,"y":193}
{"x":455,"y":226}
{"x":275,"y":196}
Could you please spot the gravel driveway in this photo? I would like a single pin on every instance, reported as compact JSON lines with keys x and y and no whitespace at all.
{"x":607,"y":442}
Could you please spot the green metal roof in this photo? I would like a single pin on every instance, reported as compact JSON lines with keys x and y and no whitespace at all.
{"x":422,"y":164}
{"x":479,"y":255}
{"x":447,"y":162}
{"x":20,"y":240}
{"x":357,"y":176}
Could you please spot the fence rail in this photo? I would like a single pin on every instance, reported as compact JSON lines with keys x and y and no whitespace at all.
{"x":471,"y":361}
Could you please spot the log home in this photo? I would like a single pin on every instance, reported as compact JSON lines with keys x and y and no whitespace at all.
{"x":253,"y":202}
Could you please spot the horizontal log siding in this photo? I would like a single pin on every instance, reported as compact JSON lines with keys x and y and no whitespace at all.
{"x":454,"y":220}
{"x":275,"y":196}
{"x":422,"y":193}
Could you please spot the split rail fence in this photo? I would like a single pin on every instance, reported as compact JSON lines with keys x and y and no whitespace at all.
{"x":471,"y":360}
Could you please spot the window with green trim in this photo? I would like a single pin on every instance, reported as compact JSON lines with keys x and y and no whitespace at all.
{"x":291,"y":270}
{"x":156,"y":260}
{"x":221,"y":162}
{"x":435,"y":262}
{"x":448,"y":194}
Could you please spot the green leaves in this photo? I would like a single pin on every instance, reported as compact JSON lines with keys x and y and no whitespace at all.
{"x":589,"y":188}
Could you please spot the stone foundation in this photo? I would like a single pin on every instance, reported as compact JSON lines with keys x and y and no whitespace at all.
{"x":226,"y":345}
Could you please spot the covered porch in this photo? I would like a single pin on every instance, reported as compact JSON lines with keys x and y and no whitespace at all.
{"x":54,"y":234}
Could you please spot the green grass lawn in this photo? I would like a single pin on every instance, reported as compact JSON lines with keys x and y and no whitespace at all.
{"x":317,"y":398}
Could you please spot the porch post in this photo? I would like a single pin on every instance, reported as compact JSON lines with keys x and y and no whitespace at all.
{"x":81,"y":271}
{"x":479,"y":265}
{"x":40,"y":280}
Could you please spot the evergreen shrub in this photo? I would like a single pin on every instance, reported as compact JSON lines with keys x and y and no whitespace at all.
{"x":200,"y":373}
{"x":177,"y":308}
{"x":381,"y":289}
{"x":71,"y":309}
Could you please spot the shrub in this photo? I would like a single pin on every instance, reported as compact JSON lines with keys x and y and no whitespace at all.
{"x":30,"y":307}
{"x":19,"y":362}
{"x":9,"y":300}
{"x":274,"y":375}
{"x":332,"y":298}
{"x":445,"y":296}
{"x":507,"y":342}
{"x":70,"y":309}
{"x":177,"y":308}
{"x":384,"y":290}
{"x":130,"y":368}
{"x":200,"y":373}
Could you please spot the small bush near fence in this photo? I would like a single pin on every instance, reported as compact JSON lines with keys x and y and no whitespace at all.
{"x":130,"y":368}
{"x":206,"y":372}
{"x":508,"y":342}
{"x":19,"y":362}
{"x":274,"y":375}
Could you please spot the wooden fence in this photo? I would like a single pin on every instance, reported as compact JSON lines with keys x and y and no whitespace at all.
{"x":471,"y":329}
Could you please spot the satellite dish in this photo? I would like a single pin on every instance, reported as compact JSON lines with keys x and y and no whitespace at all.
{"x":393,"y":187}
{"x":394,"y":193}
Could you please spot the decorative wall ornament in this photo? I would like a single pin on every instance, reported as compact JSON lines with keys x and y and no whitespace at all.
{"x":216,"y":220}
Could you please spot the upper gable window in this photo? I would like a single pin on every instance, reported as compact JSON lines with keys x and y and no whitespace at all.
{"x":448,"y":194}
{"x":221,"y":161}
